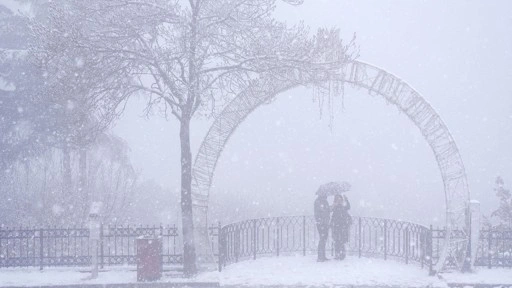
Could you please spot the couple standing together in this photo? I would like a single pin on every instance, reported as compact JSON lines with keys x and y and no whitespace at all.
{"x":339,"y":222}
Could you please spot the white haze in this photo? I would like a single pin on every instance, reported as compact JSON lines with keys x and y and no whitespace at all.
{"x":457,"y":54}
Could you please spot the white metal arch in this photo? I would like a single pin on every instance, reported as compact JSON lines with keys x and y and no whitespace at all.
{"x":362,"y":75}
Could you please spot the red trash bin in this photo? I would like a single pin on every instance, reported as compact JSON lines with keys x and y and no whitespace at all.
{"x":149,"y":259}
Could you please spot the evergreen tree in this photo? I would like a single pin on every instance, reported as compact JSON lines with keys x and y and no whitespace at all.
{"x":504,"y":211}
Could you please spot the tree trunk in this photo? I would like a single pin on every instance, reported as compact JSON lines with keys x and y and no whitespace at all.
{"x":44,"y":208}
{"x":67,"y":191}
{"x":66,"y":173}
{"x":27,"y":177}
{"x":189,"y":250}
{"x":82,"y":182}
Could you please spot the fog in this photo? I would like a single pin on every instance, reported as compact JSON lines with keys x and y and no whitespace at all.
{"x":105,"y":107}
{"x":456,"y":54}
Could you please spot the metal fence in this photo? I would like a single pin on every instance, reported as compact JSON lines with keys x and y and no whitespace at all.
{"x":494,"y":246}
{"x":370,"y":237}
{"x":45,"y":247}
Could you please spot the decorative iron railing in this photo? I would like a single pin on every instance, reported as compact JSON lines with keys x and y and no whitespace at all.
{"x":494,"y":246}
{"x":370,"y":237}
{"x":44,"y":247}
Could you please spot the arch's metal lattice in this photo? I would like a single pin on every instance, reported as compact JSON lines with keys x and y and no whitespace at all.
{"x":377,"y":82}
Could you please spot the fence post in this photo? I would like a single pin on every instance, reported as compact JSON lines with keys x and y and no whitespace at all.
{"x":489,"y":254}
{"x":277,"y":236}
{"x":407,"y":245}
{"x":360,"y":236}
{"x":237,"y":242}
{"x":385,"y":239}
{"x":304,"y":235}
{"x":219,"y":245}
{"x":41,"y":253}
{"x":162,"y":257}
{"x":430,"y":250}
{"x":254,"y":239}
{"x":101,"y":245}
{"x":423,"y":246}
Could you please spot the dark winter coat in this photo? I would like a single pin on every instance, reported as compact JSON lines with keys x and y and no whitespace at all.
{"x":340,"y":222}
{"x":322,"y":211}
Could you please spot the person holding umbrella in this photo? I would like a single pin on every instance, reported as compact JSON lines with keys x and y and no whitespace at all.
{"x":323,"y":213}
{"x":322,"y":218}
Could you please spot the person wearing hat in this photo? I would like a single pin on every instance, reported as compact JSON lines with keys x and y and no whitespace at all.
{"x":322,"y":219}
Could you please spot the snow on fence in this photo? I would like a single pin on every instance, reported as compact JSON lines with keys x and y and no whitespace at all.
{"x":45,"y":247}
{"x":494,"y":246}
{"x":369,"y":237}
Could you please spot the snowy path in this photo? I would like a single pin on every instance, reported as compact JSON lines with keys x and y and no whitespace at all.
{"x":305,"y":271}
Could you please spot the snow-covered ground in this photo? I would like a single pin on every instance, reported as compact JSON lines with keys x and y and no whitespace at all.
{"x":61,"y":276}
{"x":482,"y":275}
{"x":305,"y":271}
{"x":73,"y":276}
{"x":286,"y":271}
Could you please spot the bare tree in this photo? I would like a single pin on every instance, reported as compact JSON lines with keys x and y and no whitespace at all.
{"x":80,"y":86}
{"x":47,"y":100}
{"x":191,"y":56}
{"x":112,"y":177}
{"x":34,"y":194}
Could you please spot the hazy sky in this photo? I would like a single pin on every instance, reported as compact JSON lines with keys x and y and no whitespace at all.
{"x":457,"y":54}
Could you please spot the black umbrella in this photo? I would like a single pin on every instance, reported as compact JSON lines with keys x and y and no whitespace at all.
{"x":333,"y":188}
